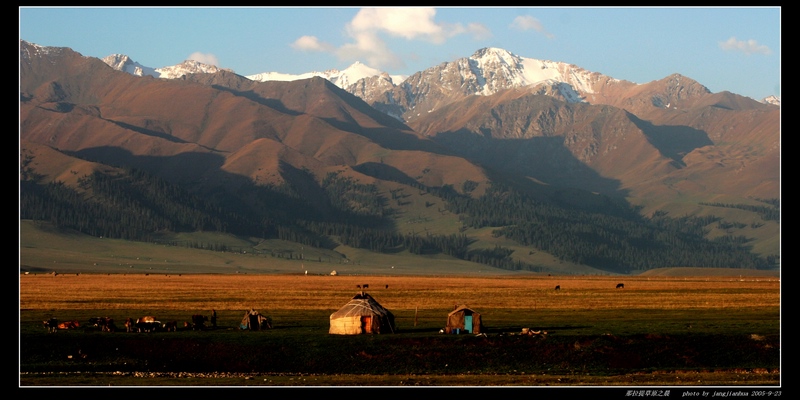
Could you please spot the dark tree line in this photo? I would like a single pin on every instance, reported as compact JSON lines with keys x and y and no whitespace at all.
{"x":767,"y":213}
{"x":132,"y":205}
{"x":387,"y":241}
{"x":619,"y":243}
{"x":137,"y":206}
{"x":500,"y":257}
{"x":349,"y":196}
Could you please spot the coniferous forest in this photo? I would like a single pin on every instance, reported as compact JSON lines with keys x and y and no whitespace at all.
{"x":135,"y":205}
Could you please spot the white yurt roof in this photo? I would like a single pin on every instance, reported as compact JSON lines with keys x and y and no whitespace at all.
{"x":361,"y":304}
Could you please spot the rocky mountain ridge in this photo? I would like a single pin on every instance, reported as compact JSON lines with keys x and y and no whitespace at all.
{"x":123,"y":63}
{"x":485,"y":72}
{"x":669,"y":146}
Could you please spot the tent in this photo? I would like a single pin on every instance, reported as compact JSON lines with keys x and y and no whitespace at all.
{"x":360,"y":315}
{"x":463,"y":320}
{"x":254,"y":321}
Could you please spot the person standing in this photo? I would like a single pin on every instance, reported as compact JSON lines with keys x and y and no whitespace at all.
{"x":214,"y":318}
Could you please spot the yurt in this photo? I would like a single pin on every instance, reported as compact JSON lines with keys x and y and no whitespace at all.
{"x":362,"y":315}
{"x":463,"y":320}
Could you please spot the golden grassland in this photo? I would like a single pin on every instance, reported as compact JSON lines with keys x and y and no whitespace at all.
{"x":315,"y":292}
{"x":650,"y":312}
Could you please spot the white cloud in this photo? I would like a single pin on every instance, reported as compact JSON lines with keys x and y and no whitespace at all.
{"x":745,"y":46}
{"x":408,"y":22}
{"x":527,"y":23}
{"x":311,"y":43}
{"x":479,"y":31}
{"x":372,"y":50}
{"x":204,"y":58}
{"x":370,"y":24}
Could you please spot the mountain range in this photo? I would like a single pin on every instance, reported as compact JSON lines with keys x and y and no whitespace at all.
{"x":552,"y":130}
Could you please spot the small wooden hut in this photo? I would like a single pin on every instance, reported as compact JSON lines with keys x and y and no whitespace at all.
{"x":463,"y":320}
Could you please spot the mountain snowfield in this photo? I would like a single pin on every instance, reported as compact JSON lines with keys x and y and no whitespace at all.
{"x":486,"y":72}
{"x":341,"y":78}
{"x":123,"y":63}
{"x":772,"y":100}
{"x":497,"y":69}
{"x":491,"y":70}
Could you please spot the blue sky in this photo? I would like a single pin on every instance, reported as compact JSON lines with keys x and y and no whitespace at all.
{"x":723,"y":48}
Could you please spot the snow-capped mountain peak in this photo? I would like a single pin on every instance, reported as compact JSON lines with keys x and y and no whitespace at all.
{"x":502,"y":69}
{"x":353,"y":73}
{"x":341,"y":78}
{"x":187,"y":67}
{"x":496,"y":56}
{"x":124,"y":63}
{"x":776,"y":100}
{"x":487,"y":71}
{"x":121,"y":62}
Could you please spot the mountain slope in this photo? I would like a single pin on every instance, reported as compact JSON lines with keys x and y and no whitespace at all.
{"x":309,"y":161}
{"x":213,"y":116}
{"x":583,"y":145}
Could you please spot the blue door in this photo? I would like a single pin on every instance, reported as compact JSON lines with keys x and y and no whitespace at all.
{"x":468,"y":323}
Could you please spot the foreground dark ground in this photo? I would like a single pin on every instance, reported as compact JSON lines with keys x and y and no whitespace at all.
{"x":407,"y":358}
{"x":680,"y":380}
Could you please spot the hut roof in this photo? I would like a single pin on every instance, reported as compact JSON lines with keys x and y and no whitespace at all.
{"x":361,"y":304}
{"x":462,"y":308}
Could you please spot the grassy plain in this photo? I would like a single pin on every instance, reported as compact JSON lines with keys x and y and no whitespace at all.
{"x":722,"y":330}
{"x":681,"y":326}
{"x":46,"y":249}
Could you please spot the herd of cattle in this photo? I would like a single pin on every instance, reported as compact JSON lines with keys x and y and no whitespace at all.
{"x":143,"y":324}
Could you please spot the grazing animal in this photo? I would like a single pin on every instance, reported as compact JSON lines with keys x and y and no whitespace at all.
{"x":69,"y":325}
{"x":109,"y":326}
{"x":51,"y":325}
{"x":620,"y":286}
{"x":199,"y":322}
{"x":147,"y":324}
{"x":171,"y":326}
{"x":99,"y":322}
{"x":558,"y":287}
{"x":129,"y":324}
